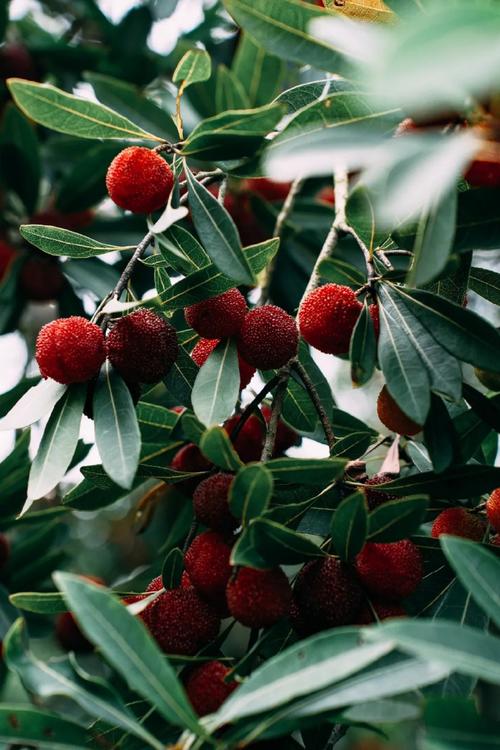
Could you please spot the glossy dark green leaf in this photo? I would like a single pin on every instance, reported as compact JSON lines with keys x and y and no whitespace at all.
{"x":298,"y":410}
{"x":455,"y":724}
{"x":57,"y":241}
{"x":117,"y":433}
{"x":456,"y":483}
{"x":219,"y":233}
{"x":434,"y":240}
{"x":173,"y":566}
{"x":440,"y":435}
{"x":217,"y":447}
{"x":250,"y":492}
{"x":350,"y":526}
{"x":259,"y":73}
{"x":487,"y":408}
{"x":181,"y":250}
{"x":217,"y":385}
{"x":485,"y":282}
{"x":20,"y":168}
{"x":84,"y":184}
{"x":307,"y":471}
{"x":279,"y":545}
{"x":397,"y":519}
{"x":180,"y":379}
{"x":363,"y":348}
{"x":27,"y":726}
{"x":340,"y":271}
{"x":229,"y":92}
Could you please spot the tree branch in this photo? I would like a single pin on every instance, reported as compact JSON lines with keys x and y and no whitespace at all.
{"x":276,"y":410}
{"x":314,"y":396}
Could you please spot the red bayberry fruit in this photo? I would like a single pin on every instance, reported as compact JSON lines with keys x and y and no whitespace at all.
{"x":458,"y":522}
{"x":189,"y":459}
{"x":68,"y":632}
{"x":268,"y":190}
{"x":41,"y":278}
{"x":139,"y":180}
{"x":326,"y":594}
{"x":327,"y":318}
{"x":268,"y":337}
{"x":205,"y":347}
{"x":70,"y":350}
{"x":7,"y":255}
{"x":391,"y":571}
{"x":210,"y":502}
{"x":393,"y":417}
{"x":142,"y":346}
{"x":326,"y":195}
{"x":493,"y":509}
{"x":16,"y":62}
{"x":181,"y":621}
{"x":250,"y":439}
{"x":219,"y":317}
{"x":495,"y":540}
{"x":73,"y":220}
{"x":383,"y":611}
{"x":259,"y":598}
{"x":483,"y":172}
{"x":285,"y":436}
{"x":207,"y":565}
{"x":206,"y":688}
{"x":373,"y":498}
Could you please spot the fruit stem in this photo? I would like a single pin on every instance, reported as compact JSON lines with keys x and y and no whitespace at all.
{"x":222,"y":191}
{"x":252,"y":406}
{"x":276,"y":410}
{"x":207,"y":179}
{"x":316,"y":400}
{"x":129,"y":268}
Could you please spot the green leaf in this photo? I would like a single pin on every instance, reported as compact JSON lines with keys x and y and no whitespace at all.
{"x":173,"y":566}
{"x":57,"y":241}
{"x":219,"y":233}
{"x":42,"y":603}
{"x":84,"y":184}
{"x":181,"y":377}
{"x":478,"y":570}
{"x":217,"y":385}
{"x":57,"y":679}
{"x":217,"y":447}
{"x":339,"y":271}
{"x":485,"y":283}
{"x":250,"y":492}
{"x":38,"y":401}
{"x":195,"y":66}
{"x":181,"y":250}
{"x":463,"y":649}
{"x":350,"y":526}
{"x":229,"y":93}
{"x":281,"y":26}
{"x":117,"y":433}
{"x":19,"y":157}
{"x":434,"y":240}
{"x":307,"y":471}
{"x":127,"y":645}
{"x":279,"y":545}
{"x":461,"y":332}
{"x":65,"y":113}
{"x":259,"y":73}
{"x":233,"y":134}
{"x":363,"y":348}
{"x":455,"y":483}
{"x":440,"y":435}
{"x":22,"y":725}
{"x":306,"y":667}
{"x":454,"y":724}
{"x":397,"y":519}
{"x":58,"y":444}
{"x":209,"y":281}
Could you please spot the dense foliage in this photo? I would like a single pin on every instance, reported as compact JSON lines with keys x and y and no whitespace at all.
{"x":207,"y":539}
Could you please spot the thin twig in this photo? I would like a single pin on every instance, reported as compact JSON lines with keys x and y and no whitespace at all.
{"x":209,"y":180}
{"x":274,"y":419}
{"x":314,"y":396}
{"x":223,"y":191}
{"x":252,"y":406}
{"x":129,"y":268}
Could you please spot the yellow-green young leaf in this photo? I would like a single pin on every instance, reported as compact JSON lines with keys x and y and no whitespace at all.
{"x":57,"y":241}
{"x":364,"y":10}
{"x":65,"y":113}
{"x":194,"y":67}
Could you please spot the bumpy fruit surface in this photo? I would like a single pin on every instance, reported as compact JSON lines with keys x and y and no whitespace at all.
{"x":206,"y":689}
{"x":493,"y":509}
{"x":189,"y":458}
{"x":490,"y":380}
{"x":41,"y":278}
{"x":7,"y":255}
{"x":326,"y":594}
{"x":210,"y":503}
{"x":383,"y":611}
{"x":327,"y":318}
{"x":458,"y":522}
{"x":219,"y":317}
{"x":391,"y":571}
{"x":207,"y":565}
{"x":180,"y":620}
{"x":259,"y":598}
{"x":205,"y":347}
{"x":139,"y":180}
{"x":142,"y":346}
{"x":250,"y":440}
{"x":70,"y":350}
{"x":393,"y":417}
{"x":268,"y":337}
{"x":374,"y":498}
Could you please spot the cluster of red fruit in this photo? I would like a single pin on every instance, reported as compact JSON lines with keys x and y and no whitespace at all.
{"x":459,"y":521}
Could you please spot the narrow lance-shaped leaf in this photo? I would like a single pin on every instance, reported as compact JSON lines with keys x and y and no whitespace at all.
{"x":217,"y":385}
{"x":65,"y":113}
{"x":396,"y":519}
{"x":363,"y":348}
{"x":250,"y":492}
{"x":434,"y":240}
{"x":117,"y":433}
{"x":33,"y":405}
{"x":350,"y":526}
{"x":58,"y":444}
{"x":57,"y":241}
{"x":217,"y":447}
{"x":23,"y":725}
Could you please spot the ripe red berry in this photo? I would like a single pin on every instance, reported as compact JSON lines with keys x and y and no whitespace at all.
{"x":483,"y":172}
{"x":393,"y":417}
{"x":7,"y":255}
{"x":268,"y":190}
{"x":250,"y":440}
{"x":259,"y":598}
{"x":139,"y":180}
{"x":41,"y":278}
{"x":268,"y":337}
{"x":327,"y":318}
{"x":285,"y":436}
{"x":383,"y":611}
{"x":73,"y":220}
{"x":70,"y":350}
{"x":16,"y":62}
{"x":326,"y":594}
{"x":206,"y":688}
{"x":210,"y":503}
{"x":189,"y":458}
{"x":458,"y":522}
{"x":326,"y":194}
{"x":207,"y":565}
{"x":219,"y":317}
{"x":493,"y":509}
{"x":495,"y":540}
{"x":68,"y":632}
{"x":142,"y":346}
{"x":374,"y":498}
{"x":391,"y":571}
{"x":180,"y":620}
{"x":205,"y":347}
